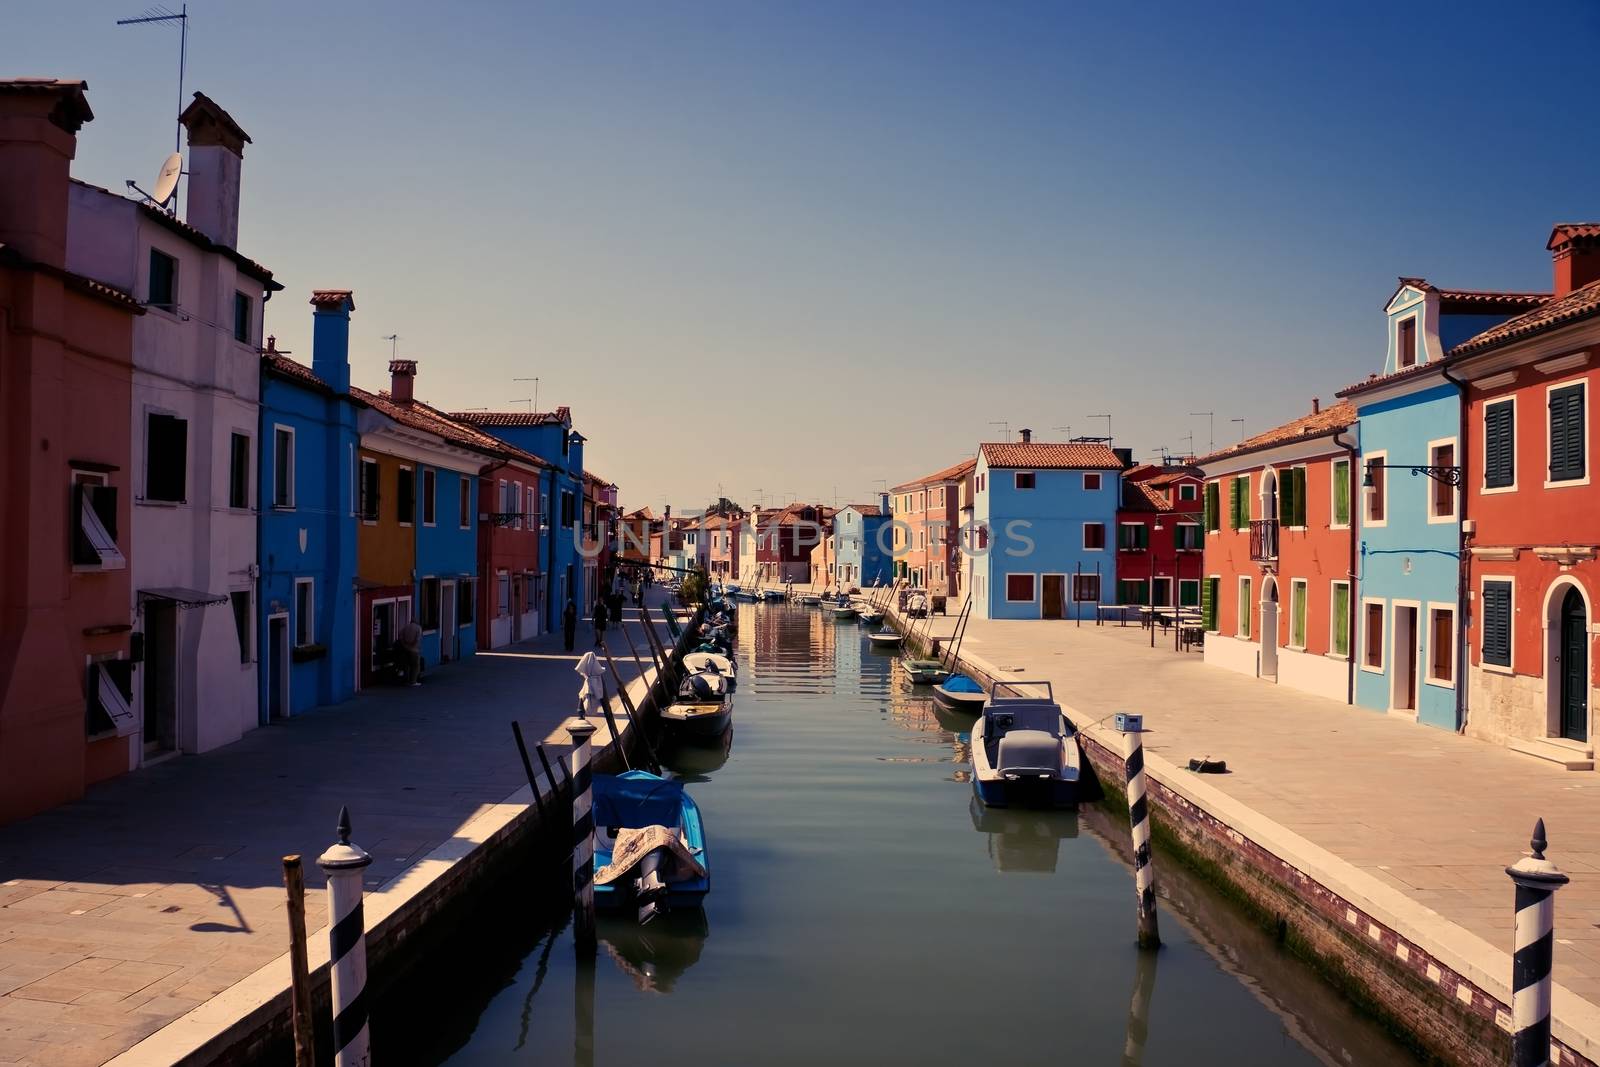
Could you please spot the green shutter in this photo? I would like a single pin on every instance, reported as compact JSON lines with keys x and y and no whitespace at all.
{"x":1496,"y":638}
{"x":1300,"y":496}
{"x":1285,"y":499}
{"x":1341,"y":493}
{"x":1213,"y":506}
{"x":1245,"y":604}
{"x":1208,"y":602}
{"x":1298,"y":593}
{"x":1566,"y":434}
{"x":1341,"y":619}
{"x":1499,"y":443}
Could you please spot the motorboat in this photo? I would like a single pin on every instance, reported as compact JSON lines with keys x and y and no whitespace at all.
{"x":957,"y":691}
{"x":650,"y":846}
{"x":746,"y":595}
{"x":772,"y":594}
{"x":869,"y":616}
{"x":702,"y":711}
{"x":927,"y":672}
{"x":886,"y":638}
{"x":1024,"y":750}
{"x":810,"y":600}
{"x":713,"y":662}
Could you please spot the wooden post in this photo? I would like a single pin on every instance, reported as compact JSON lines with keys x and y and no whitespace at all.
{"x":632,"y":712}
{"x":611,"y":723}
{"x":305,"y":1047}
{"x":549,"y":774}
{"x":527,"y":767}
{"x":634,"y":648}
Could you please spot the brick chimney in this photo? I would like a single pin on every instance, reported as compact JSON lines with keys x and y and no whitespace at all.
{"x":39,"y":123}
{"x":216,"y":154}
{"x":1575,"y":249}
{"x":1316,"y":405}
{"x":1025,"y":435}
{"x":330,"y":336}
{"x":402,"y":375}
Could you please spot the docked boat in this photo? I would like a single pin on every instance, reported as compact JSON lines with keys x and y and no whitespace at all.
{"x":957,"y":691}
{"x":713,"y":663}
{"x":1024,"y":750}
{"x":810,"y":600}
{"x":650,"y":845}
{"x":869,"y":616}
{"x":746,"y":595}
{"x":772,"y":594}
{"x":886,"y":638}
{"x":702,"y":711}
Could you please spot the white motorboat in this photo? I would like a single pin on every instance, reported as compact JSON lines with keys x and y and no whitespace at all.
{"x":1024,"y":750}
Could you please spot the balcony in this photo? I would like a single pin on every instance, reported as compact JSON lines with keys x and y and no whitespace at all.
{"x":1263,"y":540}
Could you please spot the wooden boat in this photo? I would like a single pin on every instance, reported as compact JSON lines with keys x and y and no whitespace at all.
{"x":1024,"y":750}
{"x":713,"y":663}
{"x":810,"y":600}
{"x":702,"y":711}
{"x":959,"y":691}
{"x":636,"y":800}
{"x":869,"y":616}
{"x":886,"y":638}
{"x":772,"y":594}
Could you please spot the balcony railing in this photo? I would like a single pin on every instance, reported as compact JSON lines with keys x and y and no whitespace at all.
{"x":1263,"y":540}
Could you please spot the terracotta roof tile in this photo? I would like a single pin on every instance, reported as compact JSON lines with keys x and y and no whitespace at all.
{"x":1474,"y":301}
{"x":421,"y":416}
{"x":1324,"y":423}
{"x":1567,"y":232}
{"x":559,"y":417}
{"x":947,"y":474}
{"x":287,"y":367}
{"x":1581,"y":303}
{"x":333,"y":298}
{"x":10,"y":256}
{"x":868,"y":510}
{"x":1051,"y":455}
{"x":1142,"y":496}
{"x":71,"y":112}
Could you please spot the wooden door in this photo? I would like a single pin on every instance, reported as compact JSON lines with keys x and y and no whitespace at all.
{"x":1574,"y":668}
{"x":1055,"y":596}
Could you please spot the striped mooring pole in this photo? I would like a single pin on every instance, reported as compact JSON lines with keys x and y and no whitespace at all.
{"x":347,"y":947}
{"x":1537,"y":880}
{"x":1144,"y":875}
{"x":581,"y":730}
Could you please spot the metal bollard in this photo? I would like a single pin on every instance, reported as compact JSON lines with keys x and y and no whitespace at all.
{"x":1537,"y":880}
{"x":582,"y":835}
{"x":1144,"y":875}
{"x":347,"y":947}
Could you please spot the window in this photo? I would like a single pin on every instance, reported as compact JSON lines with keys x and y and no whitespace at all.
{"x":94,"y":526}
{"x":239,"y":471}
{"x":1024,"y":479}
{"x":1094,"y":536}
{"x":1210,"y":595}
{"x":1091,"y":483}
{"x":166,"y":457}
{"x":1339,"y":622}
{"x":282,"y":467}
{"x":111,"y":699}
{"x":1297,"y":613}
{"x":1133,"y":537}
{"x":1086,"y":587}
{"x":1341,"y":492}
{"x":1377,"y":493}
{"x":1292,"y":497}
{"x":1245,"y":603}
{"x":1188,"y":491}
{"x":428,"y":606}
{"x":466,"y":502}
{"x":240,"y":600}
{"x":1131,"y":591}
{"x":566,"y":444}
{"x":466,"y":601}
{"x":369,"y":490}
{"x":1213,"y":506}
{"x":1239,"y":499}
{"x":1497,"y":623}
{"x":429,"y":496}
{"x":242,"y":314}
{"x":502,"y":581}
{"x":1188,"y":592}
{"x":1567,"y":433}
{"x":1442,"y":504}
{"x":1406,"y":342}
{"x":305,"y":612}
{"x":1186,"y":537}
{"x":568,"y":514}
{"x":1500,"y":445}
{"x":405,"y":508}
{"x":1442,"y":652}
{"x":1372,"y":648}
{"x":163,"y":281}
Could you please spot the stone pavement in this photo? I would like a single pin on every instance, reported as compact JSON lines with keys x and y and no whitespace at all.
{"x":1432,"y":814}
{"x":157,"y":891}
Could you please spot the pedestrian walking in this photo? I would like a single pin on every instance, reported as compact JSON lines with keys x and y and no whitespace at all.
{"x":600,"y":620}
{"x":616,"y":602}
{"x":409,"y":646}
{"x":569,"y":623}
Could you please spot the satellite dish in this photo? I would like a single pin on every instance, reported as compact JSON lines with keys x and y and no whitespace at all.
{"x":167,"y":180}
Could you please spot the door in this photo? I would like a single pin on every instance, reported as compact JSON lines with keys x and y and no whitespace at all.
{"x":1055,"y":596}
{"x":384,"y":629}
{"x":1161,"y":592}
{"x":160,"y":677}
{"x":1405,"y":659}
{"x":1574,"y":668}
{"x":278,"y":667}
{"x":447,"y":621}
{"x":1269,"y":630}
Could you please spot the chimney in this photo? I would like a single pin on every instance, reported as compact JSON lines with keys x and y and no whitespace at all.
{"x":216,"y":152}
{"x":1575,"y":249}
{"x":1025,"y":435}
{"x":402,"y":375}
{"x":1316,"y":405}
{"x":1124,"y":456}
{"x":330,"y":336}
{"x":883,"y":504}
{"x":39,"y":123}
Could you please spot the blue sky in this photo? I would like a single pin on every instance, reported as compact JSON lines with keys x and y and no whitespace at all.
{"x":803,"y":247}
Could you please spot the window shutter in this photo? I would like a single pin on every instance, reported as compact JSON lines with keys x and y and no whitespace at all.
{"x":1566,"y":433}
{"x":1497,"y":623}
{"x":1233,"y":503}
{"x":1299,"y":496}
{"x":1208,"y":603}
{"x":1341,"y":494}
{"x":1341,"y":620}
{"x":1213,"y":519}
{"x":1285,"y":499}
{"x":1499,"y":447}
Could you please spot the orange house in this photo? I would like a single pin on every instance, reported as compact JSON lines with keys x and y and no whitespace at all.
{"x":386,"y":551}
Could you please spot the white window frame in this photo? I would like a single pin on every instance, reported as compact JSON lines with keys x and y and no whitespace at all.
{"x":1419,"y":345}
{"x":277,"y":475}
{"x":1516,"y":452}
{"x":1120,"y":526}
{"x":1095,"y":487}
{"x":1201,"y":540}
{"x":77,"y":478}
{"x":1383,"y":638}
{"x":1016,"y":481}
{"x":1244,"y":602}
{"x":1333,"y":495}
{"x":1432,"y":608}
{"x":1511,"y":626}
{"x":1034,"y":579}
{"x":502,"y":595}
{"x":1333,"y":621}
{"x":311,"y":604}
{"x":1455,"y":491}
{"x":1304,"y":588}
{"x":1085,"y":544}
{"x":1552,"y":387}
{"x":1367,"y":521}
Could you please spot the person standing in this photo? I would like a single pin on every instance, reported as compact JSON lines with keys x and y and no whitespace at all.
{"x":616,"y":601}
{"x":409,"y":643}
{"x":569,"y":623}
{"x":600,"y":620}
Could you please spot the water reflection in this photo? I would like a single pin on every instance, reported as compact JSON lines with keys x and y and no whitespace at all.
{"x":655,"y":956}
{"x":1144,"y":988}
{"x":696,"y":763}
{"x":1020,"y":839}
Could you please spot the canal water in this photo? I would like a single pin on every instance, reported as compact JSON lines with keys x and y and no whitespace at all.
{"x":864,"y":910}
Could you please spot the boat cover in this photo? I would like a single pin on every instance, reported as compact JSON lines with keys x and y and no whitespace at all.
{"x":960,"y":683}
{"x":1029,"y":750}
{"x":635,"y":843}
{"x":636,"y":798}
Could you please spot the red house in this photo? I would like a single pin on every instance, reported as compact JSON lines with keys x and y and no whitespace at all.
{"x":511,"y":525}
{"x":784,"y":540}
{"x":1159,"y":536}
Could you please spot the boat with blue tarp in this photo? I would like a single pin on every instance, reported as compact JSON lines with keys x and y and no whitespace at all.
{"x":650,"y":844}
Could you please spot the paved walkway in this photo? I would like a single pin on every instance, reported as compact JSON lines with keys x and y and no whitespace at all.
{"x":1432,"y":814}
{"x":121,"y":912}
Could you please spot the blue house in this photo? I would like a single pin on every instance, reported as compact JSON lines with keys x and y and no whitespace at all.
{"x":1408,"y":634}
{"x":307,"y":522}
{"x":1042,"y":513}
{"x":860,"y":557}
{"x":549,"y":435}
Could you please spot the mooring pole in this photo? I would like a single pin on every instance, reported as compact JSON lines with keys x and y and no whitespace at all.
{"x":347,"y":947}
{"x":305,"y":1051}
{"x":583,"y":936}
{"x":1537,"y":880}
{"x":1144,"y":875}
{"x":527,"y":767}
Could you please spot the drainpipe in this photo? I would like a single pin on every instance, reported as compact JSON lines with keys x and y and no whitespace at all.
{"x":1350,"y":609}
{"x":551,"y":608}
{"x":1462,"y":556}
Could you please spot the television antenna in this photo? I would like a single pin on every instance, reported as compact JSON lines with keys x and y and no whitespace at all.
{"x":1108,"y":423}
{"x":528,"y":400}
{"x":1211,"y":428}
{"x":1241,"y":427}
{"x":535,"y":382}
{"x":1005,"y":427}
{"x":1064,"y":429}
{"x":394,"y":344}
{"x":160,"y":15}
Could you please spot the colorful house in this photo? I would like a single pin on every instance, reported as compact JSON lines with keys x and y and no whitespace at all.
{"x":511,"y":532}
{"x":784,"y":540}
{"x":1280,"y":553}
{"x":1044,"y":511}
{"x":66,"y":358}
{"x":926,"y":528}
{"x":637,"y":530}
{"x":1532,"y":513}
{"x":722,"y":546}
{"x":1408,"y":569}
{"x":1160,"y":545}
{"x":863,"y":553}
{"x":306,"y":592}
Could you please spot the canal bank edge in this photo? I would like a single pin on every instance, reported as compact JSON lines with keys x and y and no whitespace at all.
{"x":247,"y":1021}
{"x":1446,"y":990}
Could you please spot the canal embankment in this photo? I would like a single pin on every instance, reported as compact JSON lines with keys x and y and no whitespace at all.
{"x":1375,"y":848}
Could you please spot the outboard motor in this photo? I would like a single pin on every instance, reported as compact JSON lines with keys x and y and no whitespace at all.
{"x":704,"y":686}
{"x":649,"y":890}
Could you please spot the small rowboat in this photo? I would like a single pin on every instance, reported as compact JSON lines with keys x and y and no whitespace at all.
{"x":885,"y":638}
{"x":713,"y":663}
{"x":926,"y":672}
{"x":958,"y":692}
{"x":870,"y":616}
{"x":772,"y":594}
{"x":810,"y":600}
{"x":697,"y":720}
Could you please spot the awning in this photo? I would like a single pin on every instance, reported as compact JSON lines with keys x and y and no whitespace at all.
{"x":184,"y":598}
{"x":110,"y":692}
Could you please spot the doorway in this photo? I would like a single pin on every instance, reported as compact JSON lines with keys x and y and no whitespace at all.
{"x":447,"y":621}
{"x":1572,"y":667}
{"x":384,"y":628}
{"x":1055,"y":597}
{"x":160,"y":677}
{"x":1269,"y":629}
{"x":277,"y":667}
{"x":1403,"y":679}
{"x":1161,"y":592}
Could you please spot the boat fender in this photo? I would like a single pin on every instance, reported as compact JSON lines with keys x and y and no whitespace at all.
{"x":1208,"y":765}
